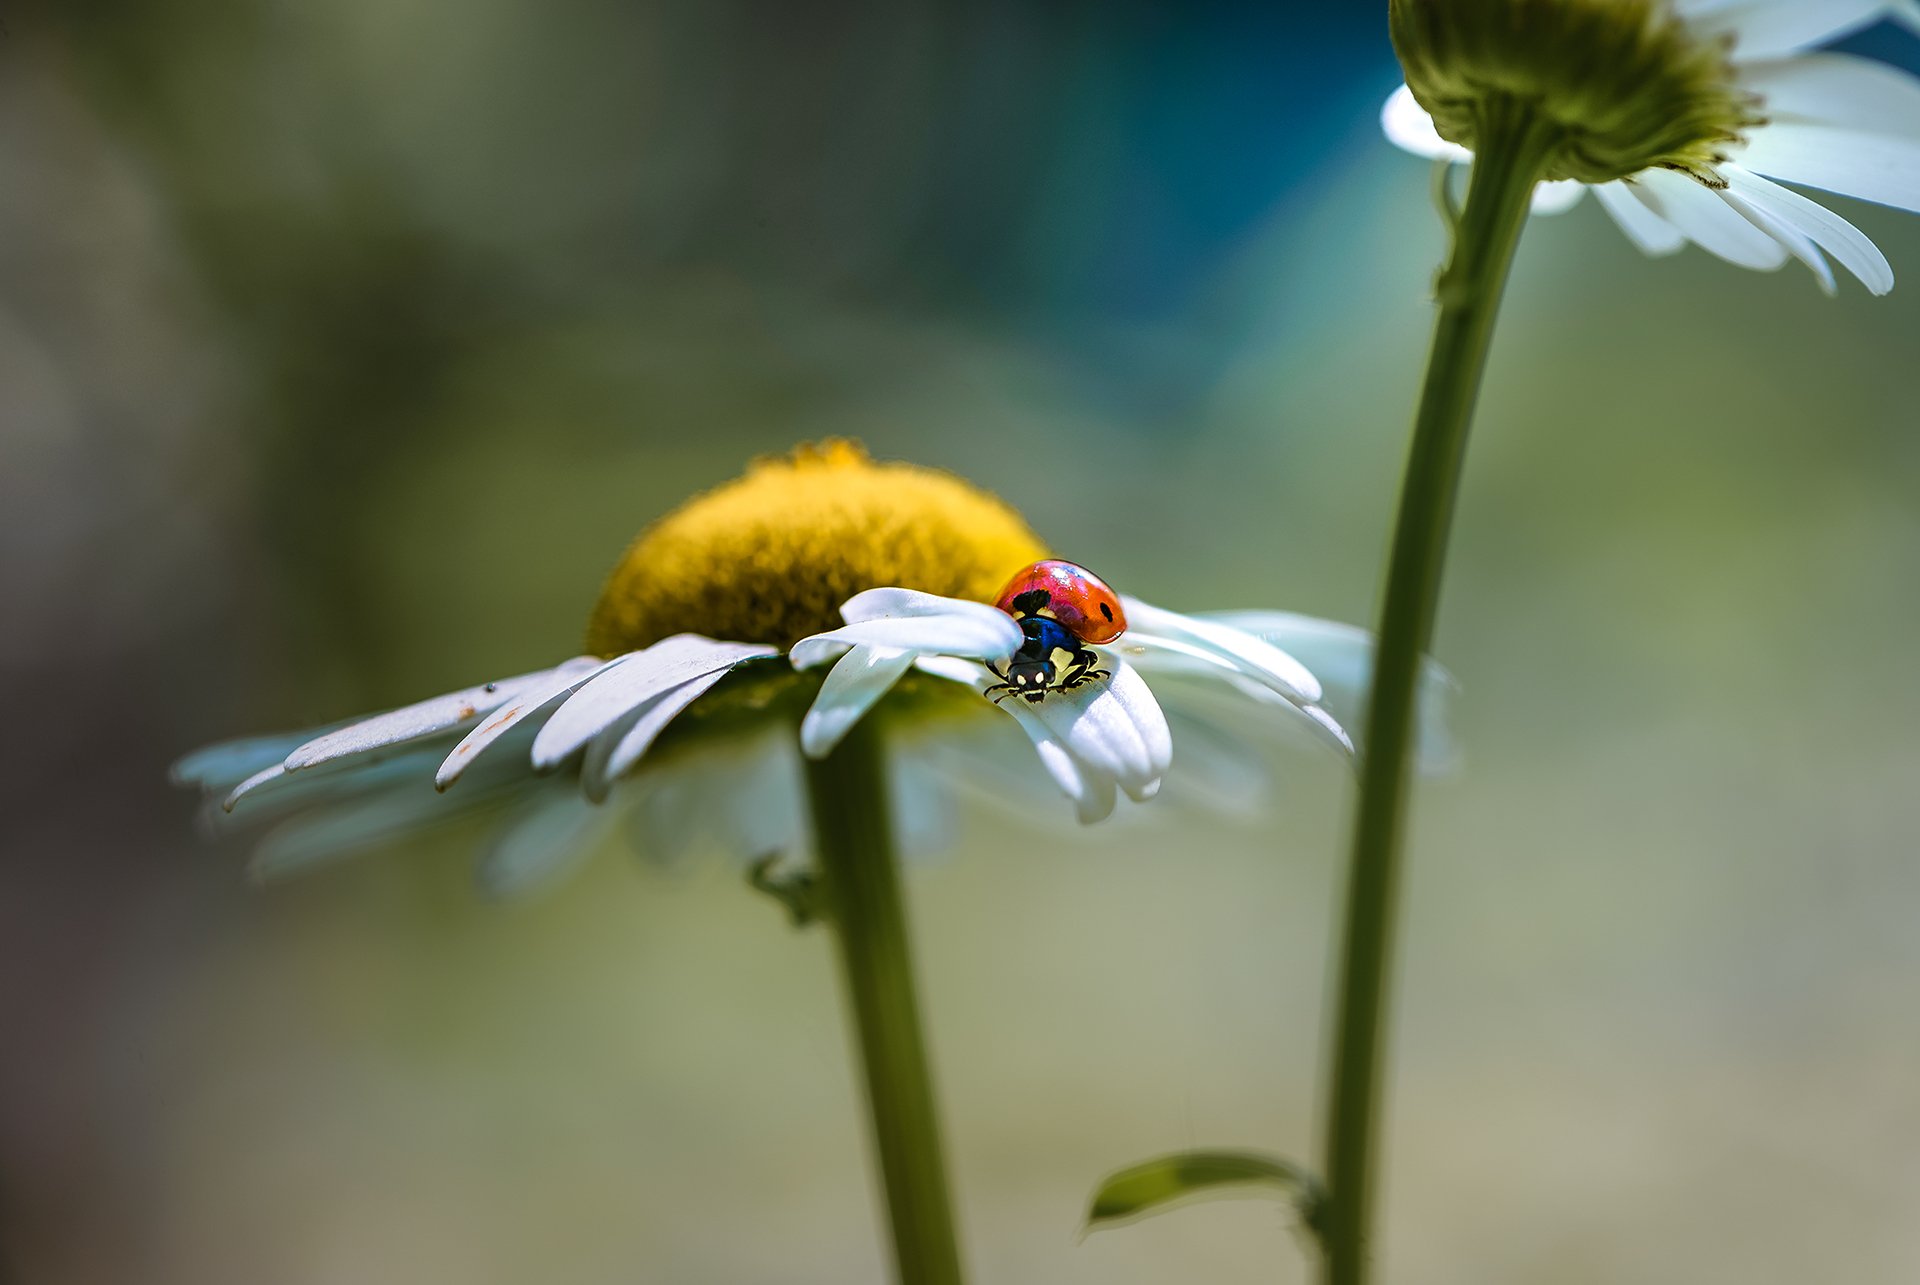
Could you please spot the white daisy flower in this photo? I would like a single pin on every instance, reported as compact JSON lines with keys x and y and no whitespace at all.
{"x":1681,"y":135}
{"x":698,"y":706}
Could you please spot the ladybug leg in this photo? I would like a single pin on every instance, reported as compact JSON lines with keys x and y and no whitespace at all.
{"x":1084,"y":669}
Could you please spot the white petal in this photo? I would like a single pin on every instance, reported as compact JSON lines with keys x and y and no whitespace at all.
{"x":850,"y":689}
{"x":1099,"y":730}
{"x":265,"y":776}
{"x":637,"y":732}
{"x":891,"y":603}
{"x":552,"y":835}
{"x":1798,"y":243}
{"x":1254,"y":657}
{"x":1089,"y":785}
{"x":1408,"y":127}
{"x":224,"y":765}
{"x":923,"y":808}
{"x":1341,"y":656}
{"x":638,"y":677}
{"x":1837,"y":89}
{"x":504,"y":719}
{"x":1557,"y":196}
{"x":346,"y":829}
{"x":1769,"y":28}
{"x":990,"y":761}
{"x":425,"y":718}
{"x":1707,"y":221}
{"x":1832,"y":233}
{"x":1329,"y":726}
{"x":277,"y":790}
{"x":1873,"y":167}
{"x":764,"y":809}
{"x":986,"y":634}
{"x":1220,"y":771}
{"x":970,"y":673}
{"x":672,"y":813}
{"x":1653,"y":234}
{"x":1133,"y":695}
{"x":680,"y":801}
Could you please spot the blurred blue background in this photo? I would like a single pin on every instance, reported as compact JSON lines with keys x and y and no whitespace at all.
{"x":343,"y":347}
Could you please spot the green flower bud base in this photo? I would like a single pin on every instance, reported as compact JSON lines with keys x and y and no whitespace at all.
{"x":1626,"y":83}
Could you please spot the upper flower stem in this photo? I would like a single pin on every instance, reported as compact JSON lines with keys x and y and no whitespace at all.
{"x":1514,"y":145}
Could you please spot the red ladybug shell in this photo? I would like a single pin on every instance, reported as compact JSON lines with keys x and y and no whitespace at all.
{"x":1077,"y":598}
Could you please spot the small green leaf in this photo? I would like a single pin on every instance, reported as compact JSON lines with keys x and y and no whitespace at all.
{"x":1156,"y":1184}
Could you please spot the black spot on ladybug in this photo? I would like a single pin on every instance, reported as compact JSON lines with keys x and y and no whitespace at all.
{"x":1106,"y":611}
{"x":1032,"y":601}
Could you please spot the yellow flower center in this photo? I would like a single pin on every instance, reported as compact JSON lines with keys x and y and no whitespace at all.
{"x":1626,"y":84}
{"x":769,"y":557}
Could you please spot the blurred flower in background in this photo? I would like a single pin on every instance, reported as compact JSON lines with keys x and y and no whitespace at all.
{"x":1764,"y":106}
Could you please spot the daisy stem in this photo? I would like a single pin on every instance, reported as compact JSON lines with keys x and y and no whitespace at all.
{"x":860,"y":878}
{"x":1513,"y":144}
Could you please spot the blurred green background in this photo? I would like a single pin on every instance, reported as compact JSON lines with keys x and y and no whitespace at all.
{"x":343,"y":347}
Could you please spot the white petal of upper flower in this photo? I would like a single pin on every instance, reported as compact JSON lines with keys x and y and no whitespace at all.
{"x":1557,"y":196}
{"x":1408,"y":127}
{"x":423,"y":718}
{"x":623,"y":744}
{"x":1874,"y":167}
{"x":1769,"y":28}
{"x":1829,"y":231}
{"x":851,"y":688}
{"x":969,"y":629}
{"x":1797,"y":243}
{"x":1837,"y":89}
{"x":1653,"y":234}
{"x":1254,"y":657}
{"x":1707,"y":221}
{"x":640,"y":676}
{"x":504,"y":719}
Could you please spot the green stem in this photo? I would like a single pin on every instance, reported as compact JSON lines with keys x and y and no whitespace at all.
{"x":860,"y":881}
{"x":1513,"y":147}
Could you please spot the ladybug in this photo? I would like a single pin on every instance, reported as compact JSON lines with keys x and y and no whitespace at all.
{"x":1061,"y":608}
